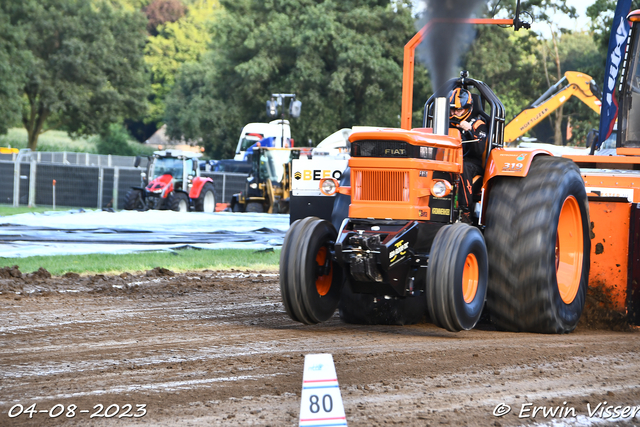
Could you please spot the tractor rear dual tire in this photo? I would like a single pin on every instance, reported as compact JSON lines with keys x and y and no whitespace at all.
{"x":457,"y":277}
{"x":538,"y":242}
{"x":308,"y":296}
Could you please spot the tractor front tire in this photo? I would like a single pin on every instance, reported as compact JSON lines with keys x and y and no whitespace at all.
{"x":207,"y":200}
{"x":285,"y":253}
{"x":538,"y":242}
{"x":311,"y":285}
{"x":254,"y":207}
{"x":133,"y":200}
{"x":178,"y":202}
{"x":457,"y":277}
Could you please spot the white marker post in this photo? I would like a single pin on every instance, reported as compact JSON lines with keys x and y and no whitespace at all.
{"x":321,"y":401}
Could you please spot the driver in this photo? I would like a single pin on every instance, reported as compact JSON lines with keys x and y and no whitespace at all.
{"x":473,"y":130}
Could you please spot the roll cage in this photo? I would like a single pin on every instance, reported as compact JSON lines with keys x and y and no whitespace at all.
{"x":495,"y":118}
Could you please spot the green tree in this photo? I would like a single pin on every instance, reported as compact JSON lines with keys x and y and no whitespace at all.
{"x":342,"y":58}
{"x":83,"y":64}
{"x":130,"y":5}
{"x":12,"y":61}
{"x":601,"y":13}
{"x":507,"y":61}
{"x":115,"y":140}
{"x":542,"y":13}
{"x":176,"y":43}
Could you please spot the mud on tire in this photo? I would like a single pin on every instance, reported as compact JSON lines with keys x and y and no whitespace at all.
{"x":538,"y":243}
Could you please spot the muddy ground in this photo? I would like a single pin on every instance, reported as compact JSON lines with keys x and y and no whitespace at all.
{"x":217,"y":348}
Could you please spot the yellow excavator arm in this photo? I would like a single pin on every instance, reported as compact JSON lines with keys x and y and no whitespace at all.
{"x":579,"y":85}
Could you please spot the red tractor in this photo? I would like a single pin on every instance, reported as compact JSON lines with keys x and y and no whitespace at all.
{"x":173,"y":182}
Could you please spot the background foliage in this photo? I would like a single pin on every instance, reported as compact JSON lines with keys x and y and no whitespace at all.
{"x":79,"y":64}
{"x":342,"y":58}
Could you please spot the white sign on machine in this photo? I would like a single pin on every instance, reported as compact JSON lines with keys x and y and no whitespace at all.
{"x":612,"y":192}
{"x":321,"y":401}
{"x":308,"y":173}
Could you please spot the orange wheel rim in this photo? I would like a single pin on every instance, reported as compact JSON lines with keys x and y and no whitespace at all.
{"x":323,"y":283}
{"x":569,"y":250}
{"x":470,"y":277}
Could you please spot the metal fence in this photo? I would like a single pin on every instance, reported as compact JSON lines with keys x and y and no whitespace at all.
{"x":25,"y":181}
{"x":71,"y":158}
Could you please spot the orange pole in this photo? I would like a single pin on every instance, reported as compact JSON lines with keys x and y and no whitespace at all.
{"x":410,"y":59}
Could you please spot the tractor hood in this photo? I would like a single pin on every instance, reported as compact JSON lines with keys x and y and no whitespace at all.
{"x":162,"y":184}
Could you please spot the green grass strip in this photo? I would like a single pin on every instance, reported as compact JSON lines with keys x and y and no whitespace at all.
{"x":7,"y":210}
{"x":180,"y":260}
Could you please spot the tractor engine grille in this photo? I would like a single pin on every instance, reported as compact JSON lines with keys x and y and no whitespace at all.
{"x":387,"y":186}
{"x":374,"y":148}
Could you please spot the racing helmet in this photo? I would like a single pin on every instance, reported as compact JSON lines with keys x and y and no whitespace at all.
{"x":460,"y":99}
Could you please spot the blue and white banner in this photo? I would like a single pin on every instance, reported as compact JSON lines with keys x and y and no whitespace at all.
{"x":617,"y":47}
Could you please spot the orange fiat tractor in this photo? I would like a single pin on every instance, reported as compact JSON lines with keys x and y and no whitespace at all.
{"x":172,"y":181}
{"x":402,"y":249}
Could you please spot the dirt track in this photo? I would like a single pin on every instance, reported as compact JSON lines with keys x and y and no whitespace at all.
{"x":216,"y":348}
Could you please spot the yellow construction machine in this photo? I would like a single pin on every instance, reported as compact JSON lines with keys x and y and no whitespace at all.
{"x":580,"y":85}
{"x":268,"y":186}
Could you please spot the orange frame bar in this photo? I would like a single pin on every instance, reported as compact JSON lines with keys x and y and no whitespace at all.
{"x":410,"y":58}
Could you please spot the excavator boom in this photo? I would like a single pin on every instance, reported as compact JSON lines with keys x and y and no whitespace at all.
{"x":580,"y":85}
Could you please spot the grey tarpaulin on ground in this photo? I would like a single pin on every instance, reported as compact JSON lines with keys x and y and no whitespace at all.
{"x":83,"y":232}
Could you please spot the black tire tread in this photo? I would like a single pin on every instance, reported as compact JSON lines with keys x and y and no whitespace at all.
{"x":292,"y":281}
{"x":441,"y":277}
{"x":131,"y":199}
{"x":255,"y":207}
{"x":173,"y":201}
{"x":315,"y":234}
{"x":285,"y":253}
{"x":520,"y":219}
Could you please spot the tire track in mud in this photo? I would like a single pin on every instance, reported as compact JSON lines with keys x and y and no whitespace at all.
{"x":217,"y":348}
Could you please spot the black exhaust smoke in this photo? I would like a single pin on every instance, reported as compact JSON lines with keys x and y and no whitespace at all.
{"x":447,"y":37}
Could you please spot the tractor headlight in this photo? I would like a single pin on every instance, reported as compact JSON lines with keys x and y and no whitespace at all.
{"x":253,"y":185}
{"x":441,"y":188}
{"x":428,"y":153}
{"x":329,"y":186}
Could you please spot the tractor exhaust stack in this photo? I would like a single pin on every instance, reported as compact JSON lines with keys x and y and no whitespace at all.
{"x":441,"y":116}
